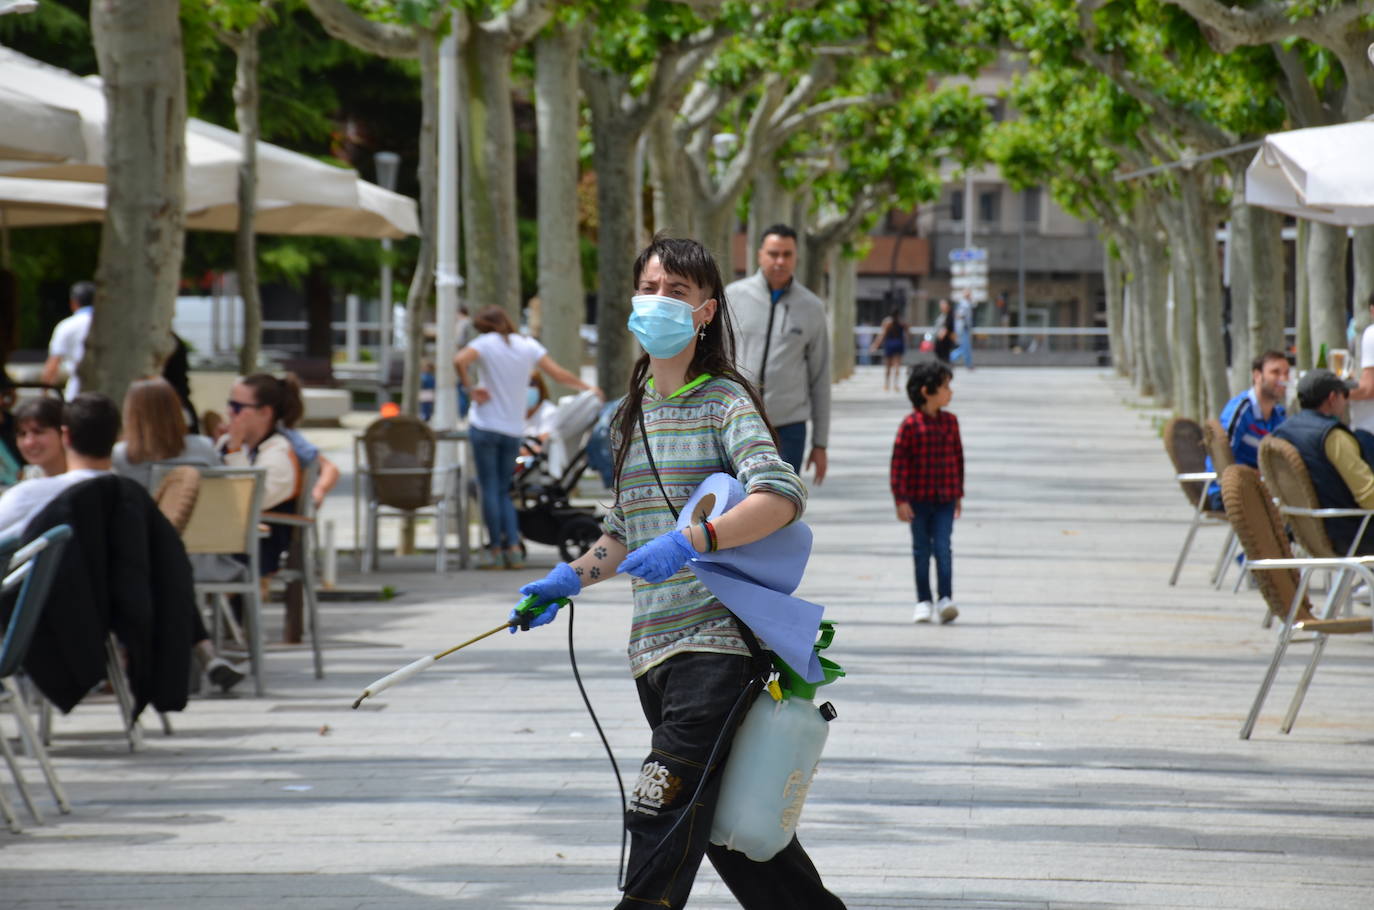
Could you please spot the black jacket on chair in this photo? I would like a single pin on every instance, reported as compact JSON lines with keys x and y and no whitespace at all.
{"x":124,"y":570}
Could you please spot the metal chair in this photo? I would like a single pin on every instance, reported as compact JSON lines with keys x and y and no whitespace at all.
{"x":300,"y":565}
{"x":225,"y":520}
{"x":399,"y":481}
{"x":1184,"y":446}
{"x":31,"y":571}
{"x":1284,"y":583}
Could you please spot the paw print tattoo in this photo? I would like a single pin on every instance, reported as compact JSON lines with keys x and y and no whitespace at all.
{"x":599,"y":552}
{"x":578,"y":570}
{"x":596,"y":572}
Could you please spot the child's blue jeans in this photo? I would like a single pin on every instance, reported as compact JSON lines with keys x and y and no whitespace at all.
{"x":932,"y":525}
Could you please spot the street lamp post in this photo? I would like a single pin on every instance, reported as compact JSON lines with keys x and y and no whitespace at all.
{"x":387,"y":163}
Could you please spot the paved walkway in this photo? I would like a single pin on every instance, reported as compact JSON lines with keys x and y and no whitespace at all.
{"x":1070,"y":742}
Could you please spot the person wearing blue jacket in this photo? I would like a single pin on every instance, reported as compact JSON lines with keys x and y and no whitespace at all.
{"x":1253,"y":415}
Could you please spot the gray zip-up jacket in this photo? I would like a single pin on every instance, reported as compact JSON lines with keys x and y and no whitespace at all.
{"x":796,"y":380}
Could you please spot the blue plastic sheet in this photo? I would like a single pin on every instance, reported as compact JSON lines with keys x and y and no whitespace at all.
{"x":756,"y":580}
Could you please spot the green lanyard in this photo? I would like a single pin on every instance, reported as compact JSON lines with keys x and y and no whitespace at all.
{"x":685,"y":389}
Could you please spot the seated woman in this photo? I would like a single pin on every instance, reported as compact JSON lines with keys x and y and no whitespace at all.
{"x":307,"y":453}
{"x":38,"y":436}
{"x":155,"y":431}
{"x":256,"y":405}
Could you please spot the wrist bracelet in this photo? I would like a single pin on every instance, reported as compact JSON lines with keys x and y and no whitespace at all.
{"x":709,"y":531}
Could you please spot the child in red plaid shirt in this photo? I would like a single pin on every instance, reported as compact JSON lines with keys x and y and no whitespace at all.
{"x":927,"y":479}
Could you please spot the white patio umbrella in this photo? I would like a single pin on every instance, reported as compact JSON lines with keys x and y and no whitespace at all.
{"x":36,"y":131}
{"x":1324,"y":173}
{"x":212,"y":152}
{"x":27,"y":202}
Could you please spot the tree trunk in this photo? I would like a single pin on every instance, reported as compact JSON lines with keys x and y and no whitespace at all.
{"x":1111,"y":280}
{"x":769,"y":204}
{"x":1266,"y":321}
{"x":673,"y":203}
{"x":1154,"y":318}
{"x":422,"y":281}
{"x":613,"y":156}
{"x":560,"y":258}
{"x":1184,"y":333}
{"x":1200,"y":223}
{"x":491,"y":240}
{"x":1326,"y":252}
{"x":138,"y":47}
{"x":246,"y":105}
{"x":1242,"y":290}
{"x":1302,"y":292}
{"x":715,"y":229}
{"x":842,"y":316}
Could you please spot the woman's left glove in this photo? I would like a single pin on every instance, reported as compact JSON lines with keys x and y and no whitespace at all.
{"x":659,"y":559}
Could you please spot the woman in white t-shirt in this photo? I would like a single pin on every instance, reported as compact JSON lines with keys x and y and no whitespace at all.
{"x":1362,"y":397}
{"x":496,"y":421}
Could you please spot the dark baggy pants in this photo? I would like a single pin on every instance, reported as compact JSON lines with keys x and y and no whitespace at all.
{"x":686,"y":700}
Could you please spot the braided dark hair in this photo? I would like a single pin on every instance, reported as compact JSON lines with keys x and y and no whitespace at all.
{"x":715,"y":351}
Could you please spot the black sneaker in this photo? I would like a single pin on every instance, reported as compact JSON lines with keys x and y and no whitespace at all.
{"x":224,"y":674}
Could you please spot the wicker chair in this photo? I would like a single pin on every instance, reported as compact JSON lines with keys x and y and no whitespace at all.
{"x":1286,"y":475}
{"x":399,"y":481}
{"x":1184,"y":445}
{"x":1284,"y":583}
{"x":176,"y":495}
{"x":1218,"y":446}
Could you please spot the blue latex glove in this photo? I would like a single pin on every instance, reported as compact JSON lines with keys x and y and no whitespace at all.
{"x":659,"y":559}
{"x":561,"y":583}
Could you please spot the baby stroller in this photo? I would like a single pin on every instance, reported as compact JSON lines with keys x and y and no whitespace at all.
{"x":546,"y":475}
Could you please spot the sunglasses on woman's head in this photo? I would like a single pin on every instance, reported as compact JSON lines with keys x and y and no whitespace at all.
{"x":237,"y":406}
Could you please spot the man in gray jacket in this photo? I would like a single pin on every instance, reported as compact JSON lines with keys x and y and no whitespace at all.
{"x":782,"y":345}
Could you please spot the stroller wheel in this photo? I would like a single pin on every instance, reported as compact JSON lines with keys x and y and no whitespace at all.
{"x":576,"y":536}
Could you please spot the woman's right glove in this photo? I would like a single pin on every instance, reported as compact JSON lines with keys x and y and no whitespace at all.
{"x":561,"y":583}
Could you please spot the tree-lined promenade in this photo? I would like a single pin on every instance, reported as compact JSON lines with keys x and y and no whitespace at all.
{"x":699,"y":118}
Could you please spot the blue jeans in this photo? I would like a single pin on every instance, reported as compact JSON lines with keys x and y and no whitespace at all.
{"x":931,"y":528}
{"x":792,"y":444}
{"x":963,"y":352}
{"x":494,"y":455}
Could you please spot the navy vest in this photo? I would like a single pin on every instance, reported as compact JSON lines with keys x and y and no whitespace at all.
{"x":1307,"y":432}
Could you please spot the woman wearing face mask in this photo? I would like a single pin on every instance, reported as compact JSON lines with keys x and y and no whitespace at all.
{"x":496,"y":422}
{"x":690,"y":658}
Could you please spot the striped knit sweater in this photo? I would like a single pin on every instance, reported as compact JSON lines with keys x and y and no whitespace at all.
{"x":713,"y":427}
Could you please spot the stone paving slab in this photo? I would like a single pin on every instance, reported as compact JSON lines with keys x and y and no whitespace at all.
{"x":1069,"y":743}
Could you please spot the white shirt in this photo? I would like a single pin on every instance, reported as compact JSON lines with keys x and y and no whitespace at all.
{"x":23,"y":501}
{"x":1362,"y":412}
{"x":506,"y":369}
{"x":69,"y":343}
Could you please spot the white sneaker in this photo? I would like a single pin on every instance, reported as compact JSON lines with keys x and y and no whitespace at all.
{"x":947,"y":610}
{"x":925,"y":612}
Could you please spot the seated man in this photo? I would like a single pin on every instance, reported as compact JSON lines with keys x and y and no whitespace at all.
{"x":90,"y":426}
{"x":1252,"y":415}
{"x":1333,"y":455}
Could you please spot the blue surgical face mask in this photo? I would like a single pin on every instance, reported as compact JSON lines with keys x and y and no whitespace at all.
{"x":531,"y":397}
{"x":661,"y":325}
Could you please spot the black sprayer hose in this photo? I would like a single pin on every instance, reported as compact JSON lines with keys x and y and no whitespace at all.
{"x":620,"y":784}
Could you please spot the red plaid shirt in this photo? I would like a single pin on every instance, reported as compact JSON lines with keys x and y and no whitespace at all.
{"x":928,"y":459}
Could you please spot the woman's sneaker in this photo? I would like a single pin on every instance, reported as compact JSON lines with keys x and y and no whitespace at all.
{"x":223,"y":674}
{"x":925,"y":611}
{"x":947,"y":610}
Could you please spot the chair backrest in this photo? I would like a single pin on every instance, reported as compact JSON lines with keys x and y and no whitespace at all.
{"x":37,"y":573}
{"x":1218,"y":445}
{"x":1183,"y":443}
{"x":227,"y":512}
{"x":405,"y":444}
{"x":1285,"y":473}
{"x":1259,"y":528}
{"x":176,"y":495}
